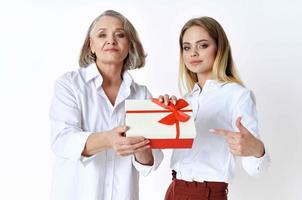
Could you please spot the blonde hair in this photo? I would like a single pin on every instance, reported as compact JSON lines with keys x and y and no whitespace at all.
{"x":223,"y":70}
{"x":136,"y":56}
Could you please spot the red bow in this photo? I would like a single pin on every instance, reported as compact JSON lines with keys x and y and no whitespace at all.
{"x":177,"y":114}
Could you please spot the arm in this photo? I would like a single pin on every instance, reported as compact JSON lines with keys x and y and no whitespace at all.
{"x":147,"y":160}
{"x":242,"y":143}
{"x":70,"y":141}
{"x":67,"y":137}
{"x":246,"y":142}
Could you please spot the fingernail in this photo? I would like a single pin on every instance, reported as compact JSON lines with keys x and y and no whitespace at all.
{"x":212,"y":130}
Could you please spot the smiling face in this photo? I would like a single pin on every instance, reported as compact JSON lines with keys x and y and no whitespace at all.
{"x":198,"y":51}
{"x":109,"y":41}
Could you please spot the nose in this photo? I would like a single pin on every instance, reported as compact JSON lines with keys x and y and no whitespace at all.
{"x":194,"y":53}
{"x":111,"y":41}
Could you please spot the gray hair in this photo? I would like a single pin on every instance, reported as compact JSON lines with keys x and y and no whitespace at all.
{"x":136,"y":56}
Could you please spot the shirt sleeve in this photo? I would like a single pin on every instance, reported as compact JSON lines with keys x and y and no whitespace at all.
{"x":246,"y":108}
{"x":157,"y":153}
{"x":148,"y":94}
{"x":67,"y":138}
{"x":146,"y":169}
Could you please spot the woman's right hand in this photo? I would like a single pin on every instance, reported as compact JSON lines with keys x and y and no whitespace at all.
{"x":166,"y":99}
{"x":125,"y":146}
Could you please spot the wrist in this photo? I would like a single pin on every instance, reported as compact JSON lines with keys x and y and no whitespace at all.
{"x":108,"y":139}
{"x":144,"y":157}
{"x":260,"y":150}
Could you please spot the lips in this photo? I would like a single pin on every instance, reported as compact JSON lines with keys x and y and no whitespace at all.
{"x":195,"y":62}
{"x":111,"y":50}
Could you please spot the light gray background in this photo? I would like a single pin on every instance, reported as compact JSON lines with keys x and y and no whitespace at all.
{"x":40,"y":40}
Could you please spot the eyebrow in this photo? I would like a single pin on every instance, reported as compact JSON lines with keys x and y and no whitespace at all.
{"x":202,"y":40}
{"x":103,"y":29}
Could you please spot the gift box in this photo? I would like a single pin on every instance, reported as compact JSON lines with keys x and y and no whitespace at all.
{"x":170,"y":126}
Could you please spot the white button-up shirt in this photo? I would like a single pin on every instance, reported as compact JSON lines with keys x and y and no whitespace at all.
{"x":79,"y":108}
{"x":217,"y":105}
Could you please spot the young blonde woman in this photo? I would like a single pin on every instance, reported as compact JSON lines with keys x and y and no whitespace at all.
{"x":224,"y":112}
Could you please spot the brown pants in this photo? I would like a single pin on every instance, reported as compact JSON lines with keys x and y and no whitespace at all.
{"x":184,"y":190}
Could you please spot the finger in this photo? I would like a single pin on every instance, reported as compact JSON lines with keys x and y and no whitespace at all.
{"x":232,"y":141}
{"x":161,"y":98}
{"x":173,"y":99}
{"x":128,"y":152}
{"x":131,"y":152}
{"x":140,"y":144}
{"x":233,"y":146}
{"x":129,"y":149}
{"x":239,"y":125}
{"x":234,"y":149}
{"x":238,"y":150}
{"x":234,"y":152}
{"x":166,"y":99}
{"x":132,"y":140}
{"x":121,"y":129}
{"x":221,"y":132}
{"x":142,"y":148}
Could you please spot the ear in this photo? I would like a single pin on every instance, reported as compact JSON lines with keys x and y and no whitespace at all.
{"x":91,"y":46}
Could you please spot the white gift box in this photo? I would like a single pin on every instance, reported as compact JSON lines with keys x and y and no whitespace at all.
{"x":169,"y":126}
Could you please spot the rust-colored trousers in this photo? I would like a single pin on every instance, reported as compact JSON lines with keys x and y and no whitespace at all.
{"x":184,"y":190}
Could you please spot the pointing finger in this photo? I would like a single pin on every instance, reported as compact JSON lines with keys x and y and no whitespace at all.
{"x":221,"y":132}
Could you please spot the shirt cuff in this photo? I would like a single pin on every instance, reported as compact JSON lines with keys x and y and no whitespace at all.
{"x":77,"y":145}
{"x":255,"y":166}
{"x":147,"y":169}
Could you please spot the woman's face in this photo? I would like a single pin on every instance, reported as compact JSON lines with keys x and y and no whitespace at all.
{"x":199,"y":51}
{"x":109,"y":41}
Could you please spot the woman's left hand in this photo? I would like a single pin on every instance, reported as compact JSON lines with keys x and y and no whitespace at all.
{"x":242,"y":143}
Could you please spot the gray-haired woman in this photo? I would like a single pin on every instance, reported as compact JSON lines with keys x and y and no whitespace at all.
{"x":94,"y":159}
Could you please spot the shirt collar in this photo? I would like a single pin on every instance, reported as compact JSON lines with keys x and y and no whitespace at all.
{"x":92,"y":73}
{"x":209,"y":85}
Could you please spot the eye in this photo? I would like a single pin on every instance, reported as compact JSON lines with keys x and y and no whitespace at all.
{"x":202,"y":46}
{"x":120,"y":35}
{"x":186,"y":48}
{"x":102,"y":35}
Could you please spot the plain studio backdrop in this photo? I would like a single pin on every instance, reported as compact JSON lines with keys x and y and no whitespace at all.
{"x":41,"y":40}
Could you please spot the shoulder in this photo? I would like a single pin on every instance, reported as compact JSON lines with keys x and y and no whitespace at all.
{"x":70,"y":80}
{"x":238,"y":93}
{"x":68,"y":76}
{"x":141,"y":90}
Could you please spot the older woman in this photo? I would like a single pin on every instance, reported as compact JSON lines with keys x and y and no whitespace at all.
{"x":94,"y":159}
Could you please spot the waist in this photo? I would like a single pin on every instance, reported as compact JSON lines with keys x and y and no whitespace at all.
{"x":203,"y":184}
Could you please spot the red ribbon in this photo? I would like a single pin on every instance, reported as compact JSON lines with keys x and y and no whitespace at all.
{"x":177,"y":114}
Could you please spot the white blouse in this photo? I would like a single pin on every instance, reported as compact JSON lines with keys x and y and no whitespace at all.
{"x":79,"y":108}
{"x":217,"y":105}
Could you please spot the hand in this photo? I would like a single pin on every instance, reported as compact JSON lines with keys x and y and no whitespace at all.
{"x":165,"y":98}
{"x":242,"y":143}
{"x":126,"y":146}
